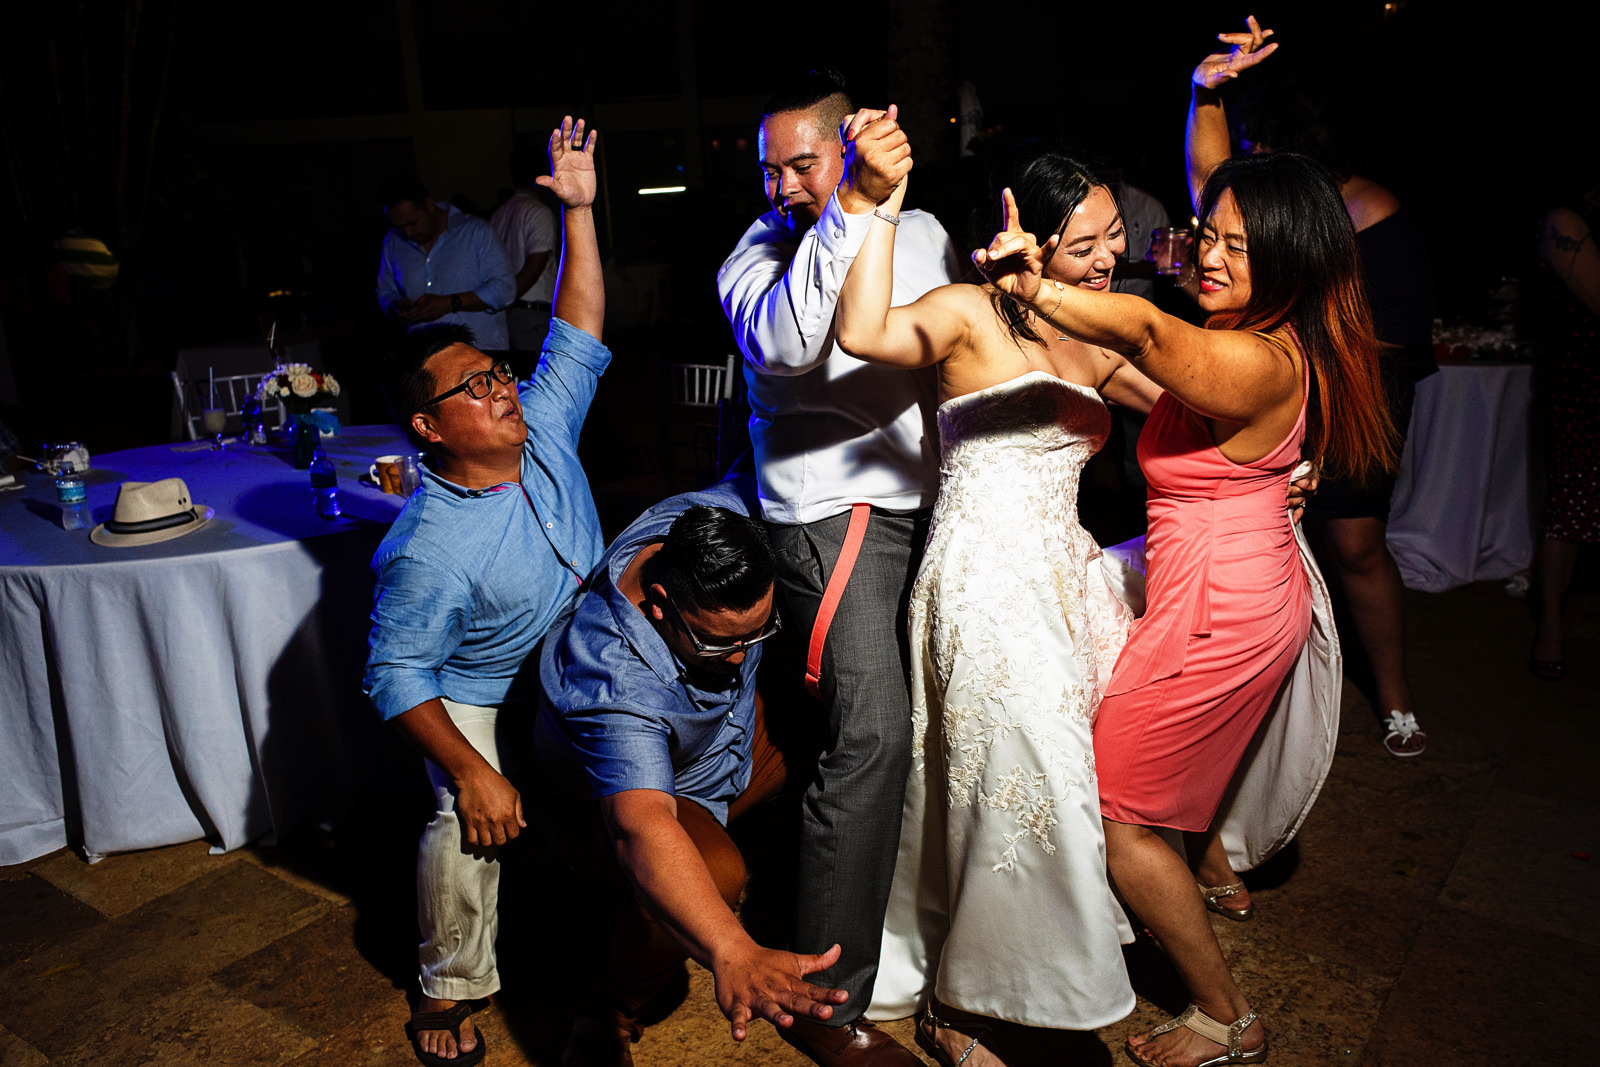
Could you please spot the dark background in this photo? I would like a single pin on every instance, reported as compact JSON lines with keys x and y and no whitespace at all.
{"x":229,"y":154}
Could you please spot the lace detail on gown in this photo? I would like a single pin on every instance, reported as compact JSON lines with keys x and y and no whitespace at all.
{"x":1000,"y":902}
{"x":1005,"y":530}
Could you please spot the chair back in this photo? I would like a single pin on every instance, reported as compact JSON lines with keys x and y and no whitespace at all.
{"x":229,"y":393}
{"x":698,"y":385}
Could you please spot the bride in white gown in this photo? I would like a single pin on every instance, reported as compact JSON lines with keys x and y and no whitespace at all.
{"x":1000,"y":905}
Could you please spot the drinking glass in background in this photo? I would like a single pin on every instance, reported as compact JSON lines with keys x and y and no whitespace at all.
{"x":410,"y":475}
{"x":1169,"y":249}
{"x":216,"y":420}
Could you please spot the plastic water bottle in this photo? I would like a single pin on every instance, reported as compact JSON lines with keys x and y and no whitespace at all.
{"x":325,"y":485}
{"x":73,"y":498}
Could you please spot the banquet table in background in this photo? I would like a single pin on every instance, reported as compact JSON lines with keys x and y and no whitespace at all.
{"x":204,"y":687}
{"x":1462,"y":508}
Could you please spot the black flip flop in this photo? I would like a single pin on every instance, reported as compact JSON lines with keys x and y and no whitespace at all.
{"x":450,"y":1019}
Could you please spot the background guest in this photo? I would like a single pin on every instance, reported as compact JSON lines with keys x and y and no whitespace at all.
{"x":1352,"y":520}
{"x":441,"y":264}
{"x":1569,"y":282}
{"x":527,"y":231}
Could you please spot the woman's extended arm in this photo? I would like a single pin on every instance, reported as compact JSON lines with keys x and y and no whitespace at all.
{"x":918,"y":334}
{"x":1128,"y":386}
{"x":1206,"y":142}
{"x":1226,"y":375}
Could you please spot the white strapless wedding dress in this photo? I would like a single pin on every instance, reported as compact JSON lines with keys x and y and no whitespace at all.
{"x":1000,"y":903}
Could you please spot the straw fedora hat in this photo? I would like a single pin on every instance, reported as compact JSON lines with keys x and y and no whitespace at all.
{"x":148,"y":512}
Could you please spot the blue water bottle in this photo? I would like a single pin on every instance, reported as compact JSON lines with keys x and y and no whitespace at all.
{"x":72,"y":497}
{"x":325,"y":485}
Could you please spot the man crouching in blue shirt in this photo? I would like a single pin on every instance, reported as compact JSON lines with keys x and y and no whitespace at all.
{"x":489,"y":551}
{"x":649,"y":706}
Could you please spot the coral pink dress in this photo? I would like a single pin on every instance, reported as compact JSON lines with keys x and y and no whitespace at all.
{"x":1228,"y":611}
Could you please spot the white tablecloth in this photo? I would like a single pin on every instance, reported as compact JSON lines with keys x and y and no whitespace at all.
{"x":205,"y":687}
{"x":1461,"y":509}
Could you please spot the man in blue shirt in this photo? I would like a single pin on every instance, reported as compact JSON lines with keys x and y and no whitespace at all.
{"x":489,"y":551}
{"x":440,"y":264}
{"x":649,"y":706}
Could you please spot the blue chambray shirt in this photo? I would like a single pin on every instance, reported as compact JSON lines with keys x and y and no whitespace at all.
{"x":466,"y":257}
{"x":469,"y":580}
{"x":618,"y":709}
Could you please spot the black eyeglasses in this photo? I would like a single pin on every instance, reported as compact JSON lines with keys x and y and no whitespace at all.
{"x":705,"y":651}
{"x":477,"y":385}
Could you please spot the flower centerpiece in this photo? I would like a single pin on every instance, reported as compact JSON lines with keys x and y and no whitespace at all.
{"x":301,"y":390}
{"x":1466,"y":341}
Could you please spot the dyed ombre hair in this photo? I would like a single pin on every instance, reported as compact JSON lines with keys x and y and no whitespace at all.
{"x":1305,"y":273}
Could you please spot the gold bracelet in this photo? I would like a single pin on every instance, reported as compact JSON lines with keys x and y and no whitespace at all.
{"x":1060,"y":292}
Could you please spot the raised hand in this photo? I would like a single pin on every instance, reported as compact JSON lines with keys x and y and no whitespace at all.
{"x":770,"y":984}
{"x":1247,"y":49}
{"x":1014,"y":262}
{"x":571,"y":175}
{"x":877,"y":155}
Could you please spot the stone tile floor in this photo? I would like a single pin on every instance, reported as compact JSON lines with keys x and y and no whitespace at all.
{"x":1442,"y":910}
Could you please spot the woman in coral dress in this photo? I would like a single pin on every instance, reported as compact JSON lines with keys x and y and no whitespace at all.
{"x":1286,"y":364}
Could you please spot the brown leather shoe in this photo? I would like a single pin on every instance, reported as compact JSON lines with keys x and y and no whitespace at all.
{"x":857,"y":1044}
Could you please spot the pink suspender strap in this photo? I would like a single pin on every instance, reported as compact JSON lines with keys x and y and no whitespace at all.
{"x":831,"y":596}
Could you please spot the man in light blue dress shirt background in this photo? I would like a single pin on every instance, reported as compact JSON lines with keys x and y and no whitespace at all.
{"x":440,"y":264}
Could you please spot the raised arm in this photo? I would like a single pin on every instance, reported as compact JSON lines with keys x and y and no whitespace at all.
{"x":1226,"y":375}
{"x":676,"y":887}
{"x":1206,"y":142}
{"x":580,"y":287}
{"x":914,"y":335}
{"x":779,"y":292}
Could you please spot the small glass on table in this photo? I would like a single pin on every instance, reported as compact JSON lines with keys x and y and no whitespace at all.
{"x":216,"y":420}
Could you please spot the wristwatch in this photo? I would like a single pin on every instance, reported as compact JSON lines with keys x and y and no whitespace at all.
{"x":455,"y":301}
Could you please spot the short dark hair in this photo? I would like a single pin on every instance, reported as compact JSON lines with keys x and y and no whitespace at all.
{"x":403,"y":376}
{"x":714,"y":559}
{"x":399,"y":188}
{"x":807,"y":91}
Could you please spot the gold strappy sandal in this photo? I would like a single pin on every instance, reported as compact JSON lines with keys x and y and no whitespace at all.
{"x":1212,"y":892}
{"x":1228,"y":1035}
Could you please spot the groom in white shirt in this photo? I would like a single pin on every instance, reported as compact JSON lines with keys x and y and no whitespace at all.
{"x":829,"y":433}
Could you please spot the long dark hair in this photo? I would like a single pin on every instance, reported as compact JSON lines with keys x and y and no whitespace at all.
{"x":1305,"y":273}
{"x":1048,"y":185}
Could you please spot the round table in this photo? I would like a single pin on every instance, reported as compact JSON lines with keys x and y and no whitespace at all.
{"x":1461,"y":510}
{"x":203,"y":687}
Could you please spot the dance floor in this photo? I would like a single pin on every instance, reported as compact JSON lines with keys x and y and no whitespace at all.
{"x":1436,"y":910}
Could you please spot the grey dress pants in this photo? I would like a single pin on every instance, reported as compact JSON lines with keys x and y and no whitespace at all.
{"x":850,"y":825}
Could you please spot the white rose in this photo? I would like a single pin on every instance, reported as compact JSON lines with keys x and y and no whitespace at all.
{"x":303,"y":385}
{"x":283,"y":390}
{"x":330,"y":384}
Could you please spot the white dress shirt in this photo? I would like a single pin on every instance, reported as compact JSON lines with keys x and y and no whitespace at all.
{"x":526,"y":227}
{"x":828,"y":429}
